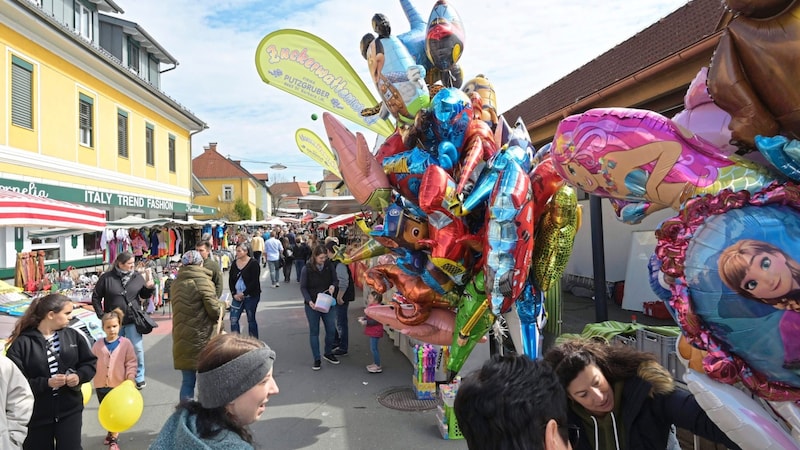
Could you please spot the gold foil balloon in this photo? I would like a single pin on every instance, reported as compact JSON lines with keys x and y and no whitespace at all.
{"x":555,"y":237}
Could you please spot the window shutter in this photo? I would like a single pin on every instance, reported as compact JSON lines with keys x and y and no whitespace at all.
{"x":85,"y":110}
{"x":21,"y":93}
{"x":122,"y":134}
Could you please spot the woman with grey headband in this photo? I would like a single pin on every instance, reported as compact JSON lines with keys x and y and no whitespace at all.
{"x":234,"y":382}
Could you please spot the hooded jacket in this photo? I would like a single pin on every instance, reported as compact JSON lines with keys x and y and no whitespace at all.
{"x":29,"y":353}
{"x":649,"y":404}
{"x":195,"y":311}
{"x":180,"y":433}
{"x":16,"y":399}
{"x":109,"y":294}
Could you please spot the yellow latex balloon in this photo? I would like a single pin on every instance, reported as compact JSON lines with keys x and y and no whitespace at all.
{"x":121,"y":408}
{"x":86,"y":390}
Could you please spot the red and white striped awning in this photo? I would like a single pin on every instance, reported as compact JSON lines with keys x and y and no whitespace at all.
{"x":22,"y":210}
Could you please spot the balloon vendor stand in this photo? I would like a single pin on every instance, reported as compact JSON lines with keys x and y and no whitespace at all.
{"x":445,"y":414}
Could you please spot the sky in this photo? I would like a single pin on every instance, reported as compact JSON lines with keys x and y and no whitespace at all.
{"x":522,"y":46}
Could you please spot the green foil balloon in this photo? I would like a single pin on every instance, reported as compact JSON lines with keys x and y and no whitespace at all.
{"x":473,"y":320}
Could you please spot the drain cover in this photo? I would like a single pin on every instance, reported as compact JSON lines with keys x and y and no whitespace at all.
{"x":404,"y":399}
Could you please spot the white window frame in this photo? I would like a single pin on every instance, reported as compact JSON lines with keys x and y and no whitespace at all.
{"x":227,"y":192}
{"x":84,"y":21}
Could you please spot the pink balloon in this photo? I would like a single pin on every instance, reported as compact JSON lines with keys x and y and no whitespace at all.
{"x":703,"y":117}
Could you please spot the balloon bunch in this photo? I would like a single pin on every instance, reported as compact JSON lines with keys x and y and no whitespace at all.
{"x":460,"y":191}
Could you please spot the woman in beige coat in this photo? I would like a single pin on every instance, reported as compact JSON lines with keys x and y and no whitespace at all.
{"x":195,"y":310}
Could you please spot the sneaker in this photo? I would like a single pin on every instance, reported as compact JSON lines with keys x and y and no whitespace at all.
{"x":331,"y":358}
{"x":277,"y":284}
{"x":112,"y":444}
{"x":340,"y":352}
{"x":141,"y":384}
{"x":372,"y":368}
{"x":317,"y":365}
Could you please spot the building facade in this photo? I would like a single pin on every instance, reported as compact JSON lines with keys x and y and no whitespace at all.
{"x":226,"y":181}
{"x":83,"y":118}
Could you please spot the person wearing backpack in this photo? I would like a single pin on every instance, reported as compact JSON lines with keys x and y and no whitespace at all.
{"x":345,"y":293}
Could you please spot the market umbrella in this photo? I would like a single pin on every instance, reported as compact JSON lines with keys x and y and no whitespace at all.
{"x":22,"y":210}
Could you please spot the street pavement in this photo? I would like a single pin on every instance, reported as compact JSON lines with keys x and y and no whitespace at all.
{"x":333,"y":408}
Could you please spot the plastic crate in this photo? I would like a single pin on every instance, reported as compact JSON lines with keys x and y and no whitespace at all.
{"x":624,"y":340}
{"x":676,"y":367}
{"x":448,"y":424}
{"x":657,"y":344}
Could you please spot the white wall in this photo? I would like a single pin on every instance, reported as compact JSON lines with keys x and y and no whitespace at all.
{"x":616,"y":239}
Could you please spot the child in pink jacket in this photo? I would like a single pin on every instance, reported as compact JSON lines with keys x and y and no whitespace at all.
{"x":374,"y":330}
{"x":116,"y":362}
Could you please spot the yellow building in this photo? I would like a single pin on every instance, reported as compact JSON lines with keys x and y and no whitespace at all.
{"x":83,"y":118}
{"x":226,"y":181}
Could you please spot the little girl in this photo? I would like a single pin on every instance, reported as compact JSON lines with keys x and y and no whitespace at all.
{"x":374,"y":330}
{"x":116,"y":362}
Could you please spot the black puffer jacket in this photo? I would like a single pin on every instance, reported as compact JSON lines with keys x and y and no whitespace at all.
{"x":195,"y":312}
{"x":650,"y":404}
{"x":109,"y":293}
{"x":29,"y":353}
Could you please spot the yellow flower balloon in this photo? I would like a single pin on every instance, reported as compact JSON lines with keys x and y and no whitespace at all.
{"x":121,"y":408}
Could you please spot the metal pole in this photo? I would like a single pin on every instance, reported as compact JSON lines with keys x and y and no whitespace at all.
{"x":598,"y":259}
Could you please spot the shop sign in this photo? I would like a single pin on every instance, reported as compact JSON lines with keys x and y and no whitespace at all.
{"x":100,"y":198}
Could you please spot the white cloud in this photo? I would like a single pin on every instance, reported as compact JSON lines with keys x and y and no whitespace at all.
{"x":522,"y":46}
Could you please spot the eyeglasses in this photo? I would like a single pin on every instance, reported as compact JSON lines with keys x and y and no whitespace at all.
{"x":573,"y":434}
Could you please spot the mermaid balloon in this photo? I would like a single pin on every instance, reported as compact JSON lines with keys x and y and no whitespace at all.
{"x":642,"y":158}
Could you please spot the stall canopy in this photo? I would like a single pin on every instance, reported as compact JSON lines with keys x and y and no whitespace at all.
{"x":22,"y":210}
{"x":330,"y":205}
{"x":340,"y":220}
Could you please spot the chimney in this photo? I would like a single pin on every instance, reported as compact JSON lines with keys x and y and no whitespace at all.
{"x":212,"y":146}
{"x":294,"y":179}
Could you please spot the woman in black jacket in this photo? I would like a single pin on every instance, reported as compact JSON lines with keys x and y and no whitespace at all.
{"x":319,"y":276}
{"x":56,"y":360}
{"x":245,"y":285}
{"x":301,"y":254}
{"x":120,"y":287}
{"x":622,"y":398}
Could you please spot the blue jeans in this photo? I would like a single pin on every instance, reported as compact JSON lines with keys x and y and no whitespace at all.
{"x":329,"y":321}
{"x":342,"y":330}
{"x":298,"y":267}
{"x":373,"y":346}
{"x":249,"y":305}
{"x":274,"y":271}
{"x":187,"y":385}
{"x":129,"y":331}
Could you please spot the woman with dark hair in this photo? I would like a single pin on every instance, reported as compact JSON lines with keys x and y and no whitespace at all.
{"x":319,"y":276}
{"x":288,"y":259}
{"x":234,"y":382}
{"x":122,"y":287}
{"x":301,"y":254}
{"x":244,"y":282}
{"x":56,"y":360}
{"x":622,"y":398}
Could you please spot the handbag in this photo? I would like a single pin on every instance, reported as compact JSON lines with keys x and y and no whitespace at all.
{"x":144,"y":323}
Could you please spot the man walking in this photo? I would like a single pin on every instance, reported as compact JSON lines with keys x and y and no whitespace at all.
{"x":257,"y":246}
{"x":210,"y":263}
{"x":273,"y":249}
{"x":345,"y":293}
